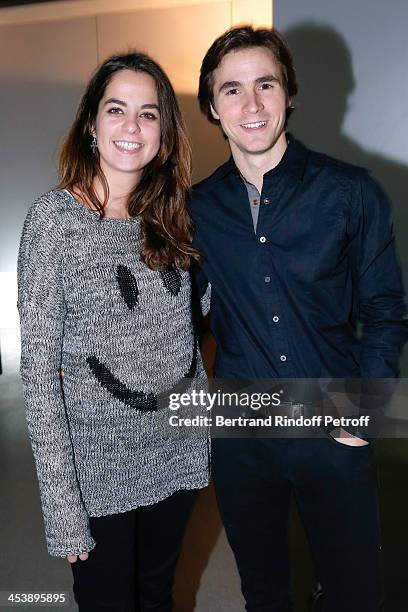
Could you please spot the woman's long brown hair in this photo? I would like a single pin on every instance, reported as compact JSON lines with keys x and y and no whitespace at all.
{"x":159,"y":199}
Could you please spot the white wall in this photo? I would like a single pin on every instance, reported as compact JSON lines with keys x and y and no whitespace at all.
{"x":375,"y":34}
{"x":353,"y":101}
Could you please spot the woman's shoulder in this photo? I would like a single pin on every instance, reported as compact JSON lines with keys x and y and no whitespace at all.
{"x":53,"y":201}
{"x":44,"y":223}
{"x":50,"y":210}
{"x":51,"y":205}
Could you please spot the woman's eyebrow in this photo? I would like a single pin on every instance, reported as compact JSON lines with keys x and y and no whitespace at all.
{"x":115,"y":101}
{"x":122,"y":103}
{"x":156,"y":106}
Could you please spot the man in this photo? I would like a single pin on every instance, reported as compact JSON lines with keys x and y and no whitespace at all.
{"x":298,"y":249}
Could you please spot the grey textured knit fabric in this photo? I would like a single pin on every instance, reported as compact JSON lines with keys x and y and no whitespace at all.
{"x":122,"y":333}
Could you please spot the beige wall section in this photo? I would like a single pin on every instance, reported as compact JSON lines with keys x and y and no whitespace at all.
{"x":248,"y":11}
{"x":61,"y":52}
{"x":66,"y":9}
{"x":172,"y":37}
{"x":257,"y":12}
{"x":176,"y":38}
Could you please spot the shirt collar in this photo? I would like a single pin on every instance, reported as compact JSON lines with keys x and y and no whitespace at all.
{"x":293,"y":162}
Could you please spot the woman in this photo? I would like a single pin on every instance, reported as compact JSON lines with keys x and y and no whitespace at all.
{"x":104,"y":296}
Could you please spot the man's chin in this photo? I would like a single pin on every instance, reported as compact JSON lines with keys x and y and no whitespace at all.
{"x":256,"y":149}
{"x":254,"y":146}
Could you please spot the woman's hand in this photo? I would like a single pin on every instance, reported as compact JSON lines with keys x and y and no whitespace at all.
{"x":73,"y":558}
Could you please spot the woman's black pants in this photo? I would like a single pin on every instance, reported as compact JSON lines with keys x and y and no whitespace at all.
{"x":132,"y":567}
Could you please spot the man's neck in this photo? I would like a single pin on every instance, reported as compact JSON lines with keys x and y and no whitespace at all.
{"x":254,"y":166}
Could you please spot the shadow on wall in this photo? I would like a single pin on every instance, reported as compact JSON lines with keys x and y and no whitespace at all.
{"x":325,"y":74}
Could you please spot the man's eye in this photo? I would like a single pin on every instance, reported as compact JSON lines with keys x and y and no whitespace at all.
{"x":266,"y":86}
{"x":115,"y":110}
{"x":232,"y":92}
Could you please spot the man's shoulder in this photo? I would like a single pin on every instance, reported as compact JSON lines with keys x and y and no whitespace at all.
{"x":338,"y":168}
{"x":356,"y":182}
{"x":207,"y":191}
{"x":208,"y":183}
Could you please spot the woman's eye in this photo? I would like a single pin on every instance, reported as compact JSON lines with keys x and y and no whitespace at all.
{"x":115,"y":111}
{"x":232,"y":92}
{"x":150,"y":116}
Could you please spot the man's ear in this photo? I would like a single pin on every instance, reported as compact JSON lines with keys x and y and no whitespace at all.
{"x":214,"y":113}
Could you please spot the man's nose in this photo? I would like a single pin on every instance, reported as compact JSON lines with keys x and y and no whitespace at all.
{"x":253,"y":102}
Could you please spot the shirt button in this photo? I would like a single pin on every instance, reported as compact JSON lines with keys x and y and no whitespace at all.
{"x":262,"y":239}
{"x":275,"y":320}
{"x":267,"y":279}
{"x":266,"y":201}
{"x":283,"y":357}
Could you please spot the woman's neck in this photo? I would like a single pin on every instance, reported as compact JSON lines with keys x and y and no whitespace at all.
{"x":119,"y":191}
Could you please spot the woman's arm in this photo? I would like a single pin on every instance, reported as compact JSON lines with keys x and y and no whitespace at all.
{"x":42,"y":312}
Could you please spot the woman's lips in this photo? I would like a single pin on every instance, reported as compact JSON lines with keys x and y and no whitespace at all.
{"x":126,"y":146}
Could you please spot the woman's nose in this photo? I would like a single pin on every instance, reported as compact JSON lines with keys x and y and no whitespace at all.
{"x":132,"y":126}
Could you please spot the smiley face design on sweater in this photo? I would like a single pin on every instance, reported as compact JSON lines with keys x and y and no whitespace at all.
{"x":129,"y":291}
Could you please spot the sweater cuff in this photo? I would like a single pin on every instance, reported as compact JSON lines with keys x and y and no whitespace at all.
{"x":61,"y":549}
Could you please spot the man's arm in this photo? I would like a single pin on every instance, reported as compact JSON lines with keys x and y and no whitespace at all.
{"x":382,"y":309}
{"x":381,"y":298}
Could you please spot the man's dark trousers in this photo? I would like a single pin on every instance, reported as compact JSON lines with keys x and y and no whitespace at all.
{"x":335,"y":489}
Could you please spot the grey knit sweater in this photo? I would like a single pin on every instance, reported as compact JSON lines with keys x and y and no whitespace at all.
{"x":122,"y":334}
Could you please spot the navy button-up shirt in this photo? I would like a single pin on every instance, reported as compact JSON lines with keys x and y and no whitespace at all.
{"x":287,"y":300}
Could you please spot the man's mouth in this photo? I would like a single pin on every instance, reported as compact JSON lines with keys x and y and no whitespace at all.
{"x":126,"y":145}
{"x":253,"y":126}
